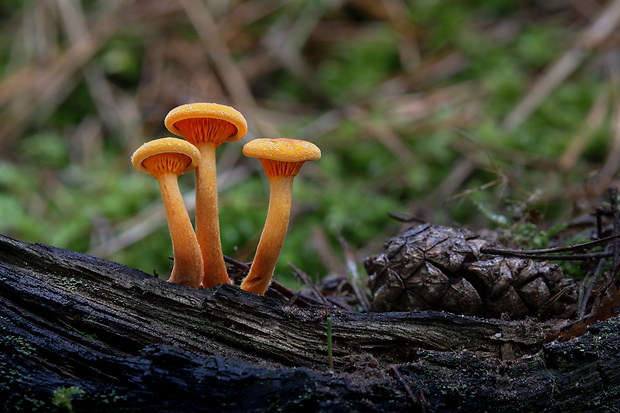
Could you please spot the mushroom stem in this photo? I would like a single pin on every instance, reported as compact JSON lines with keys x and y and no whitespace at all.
{"x":207,"y":126}
{"x":188,"y":268}
{"x":281,"y":160}
{"x":272,"y":238}
{"x":207,"y":220}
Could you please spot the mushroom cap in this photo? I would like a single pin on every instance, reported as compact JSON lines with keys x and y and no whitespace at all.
{"x":208,"y":111}
{"x":166,"y":145}
{"x":283,"y":150}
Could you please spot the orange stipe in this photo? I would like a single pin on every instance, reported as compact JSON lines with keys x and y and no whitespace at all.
{"x":281,"y":160}
{"x":208,"y":125}
{"x":165,"y":159}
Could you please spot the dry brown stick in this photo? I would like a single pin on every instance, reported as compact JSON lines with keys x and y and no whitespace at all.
{"x":414,"y":399}
{"x":461,"y":171}
{"x":408,"y":49}
{"x":606,"y":22}
{"x":237,"y":264}
{"x":612,"y":250}
{"x":571,"y":257}
{"x":325,"y":251}
{"x":599,"y":222}
{"x":76,"y":26}
{"x":352,"y":267}
{"x":384,"y":135}
{"x":499,"y":181}
{"x":594,"y":119}
{"x":409,"y":108}
{"x":569,"y":248}
{"x":405,"y":218}
{"x":221,"y":56}
{"x":585,"y":288}
{"x":613,"y":198}
{"x":612,"y":161}
{"x":305,"y":278}
{"x":209,"y":34}
{"x":286,"y":40}
{"x":46,"y":83}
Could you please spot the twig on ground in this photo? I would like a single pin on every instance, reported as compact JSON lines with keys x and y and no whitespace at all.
{"x":208,"y":31}
{"x":579,"y":140}
{"x":585,"y":289}
{"x":237,"y":264}
{"x":613,"y":198}
{"x":606,"y":22}
{"x":538,"y":253}
{"x":305,"y":278}
{"x":422,"y":405}
{"x":352,"y":267}
{"x":405,"y":218}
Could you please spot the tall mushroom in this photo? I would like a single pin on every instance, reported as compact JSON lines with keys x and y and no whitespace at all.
{"x":208,"y":125}
{"x":281,"y":160}
{"x":165,"y":159}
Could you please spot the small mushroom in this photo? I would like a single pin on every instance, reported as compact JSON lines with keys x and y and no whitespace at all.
{"x":207,"y":126}
{"x":165,"y":159}
{"x":281,"y":160}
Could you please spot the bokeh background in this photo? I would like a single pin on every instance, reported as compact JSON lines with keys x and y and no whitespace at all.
{"x":475,"y":113}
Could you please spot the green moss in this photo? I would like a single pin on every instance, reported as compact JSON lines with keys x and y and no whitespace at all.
{"x":62,"y":397}
{"x":67,"y":281}
{"x":12,"y":343}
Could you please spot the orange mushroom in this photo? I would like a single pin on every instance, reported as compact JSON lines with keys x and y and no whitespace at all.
{"x":281,"y":160}
{"x":165,"y":159}
{"x":208,"y":125}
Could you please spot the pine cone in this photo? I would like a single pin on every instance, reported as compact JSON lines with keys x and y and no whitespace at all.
{"x":430,"y":267}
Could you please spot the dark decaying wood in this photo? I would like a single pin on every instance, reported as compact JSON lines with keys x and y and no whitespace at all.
{"x":127,"y":340}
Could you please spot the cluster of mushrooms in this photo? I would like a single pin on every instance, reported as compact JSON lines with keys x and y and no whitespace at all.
{"x":198,"y":257}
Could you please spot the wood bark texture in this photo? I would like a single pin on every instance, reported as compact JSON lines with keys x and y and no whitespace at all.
{"x":80,"y":333}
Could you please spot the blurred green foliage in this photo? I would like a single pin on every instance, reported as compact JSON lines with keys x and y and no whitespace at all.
{"x":59,"y":191}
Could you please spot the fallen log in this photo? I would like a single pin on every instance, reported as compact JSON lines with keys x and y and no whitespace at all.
{"x":82,"y":333}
